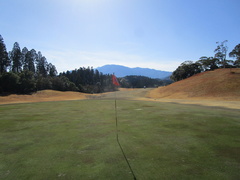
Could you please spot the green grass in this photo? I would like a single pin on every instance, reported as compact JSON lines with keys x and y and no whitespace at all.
{"x":77,"y":140}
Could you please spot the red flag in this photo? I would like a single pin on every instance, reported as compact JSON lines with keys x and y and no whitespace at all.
{"x":115,"y":81}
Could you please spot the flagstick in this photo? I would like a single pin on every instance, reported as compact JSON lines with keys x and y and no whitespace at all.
{"x":134,"y":177}
{"x":116,"y":116}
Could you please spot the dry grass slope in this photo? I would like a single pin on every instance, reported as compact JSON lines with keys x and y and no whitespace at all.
{"x":40,"y":96}
{"x":221,"y":84}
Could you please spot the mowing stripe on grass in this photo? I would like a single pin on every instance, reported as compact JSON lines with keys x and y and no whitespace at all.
{"x":134,"y":177}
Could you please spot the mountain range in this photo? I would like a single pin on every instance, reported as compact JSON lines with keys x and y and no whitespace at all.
{"x":122,"y":71}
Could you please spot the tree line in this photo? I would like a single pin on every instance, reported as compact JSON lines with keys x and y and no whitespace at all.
{"x":89,"y":80}
{"x":142,"y":81}
{"x":189,"y":68}
{"x":26,"y":71}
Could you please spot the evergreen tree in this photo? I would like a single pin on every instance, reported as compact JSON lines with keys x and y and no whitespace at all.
{"x":27,"y":82}
{"x":23,"y":58}
{"x":4,"y":59}
{"x":30,"y":59}
{"x":97,"y":77}
{"x":42,"y":65}
{"x":9,"y":82}
{"x":52,"y":70}
{"x":16,"y":58}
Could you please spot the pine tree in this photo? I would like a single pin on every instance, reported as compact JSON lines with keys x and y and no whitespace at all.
{"x":16,"y":58}
{"x":4,"y":59}
{"x":23,"y":58}
{"x":52,"y":70}
{"x":30,"y":59}
{"x":42,"y":65}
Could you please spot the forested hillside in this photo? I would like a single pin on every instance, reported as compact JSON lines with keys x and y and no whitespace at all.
{"x":89,"y":80}
{"x":25,"y":71}
{"x":142,"y":81}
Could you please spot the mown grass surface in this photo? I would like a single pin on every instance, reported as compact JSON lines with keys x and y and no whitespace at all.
{"x":77,"y":140}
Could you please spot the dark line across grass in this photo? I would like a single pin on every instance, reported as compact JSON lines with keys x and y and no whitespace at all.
{"x":77,"y":140}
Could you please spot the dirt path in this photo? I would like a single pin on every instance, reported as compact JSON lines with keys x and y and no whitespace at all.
{"x":131,"y":94}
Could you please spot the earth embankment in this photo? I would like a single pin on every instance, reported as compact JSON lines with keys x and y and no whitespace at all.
{"x":41,"y":96}
{"x":220,"y":84}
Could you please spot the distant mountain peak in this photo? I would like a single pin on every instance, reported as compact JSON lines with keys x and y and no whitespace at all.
{"x":122,"y":71}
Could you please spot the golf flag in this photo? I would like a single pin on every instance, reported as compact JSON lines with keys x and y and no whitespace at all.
{"x":115,"y":81}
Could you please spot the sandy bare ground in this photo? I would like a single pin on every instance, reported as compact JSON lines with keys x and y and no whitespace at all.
{"x":131,"y":94}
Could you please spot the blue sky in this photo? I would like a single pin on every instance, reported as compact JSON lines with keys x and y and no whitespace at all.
{"x":158,"y":34}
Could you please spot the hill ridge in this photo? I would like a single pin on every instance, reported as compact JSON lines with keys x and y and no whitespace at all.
{"x":218,"y":84}
{"x":122,"y":71}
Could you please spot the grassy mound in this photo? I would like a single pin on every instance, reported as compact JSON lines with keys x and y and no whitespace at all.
{"x":41,"y":96}
{"x":221,"y":84}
